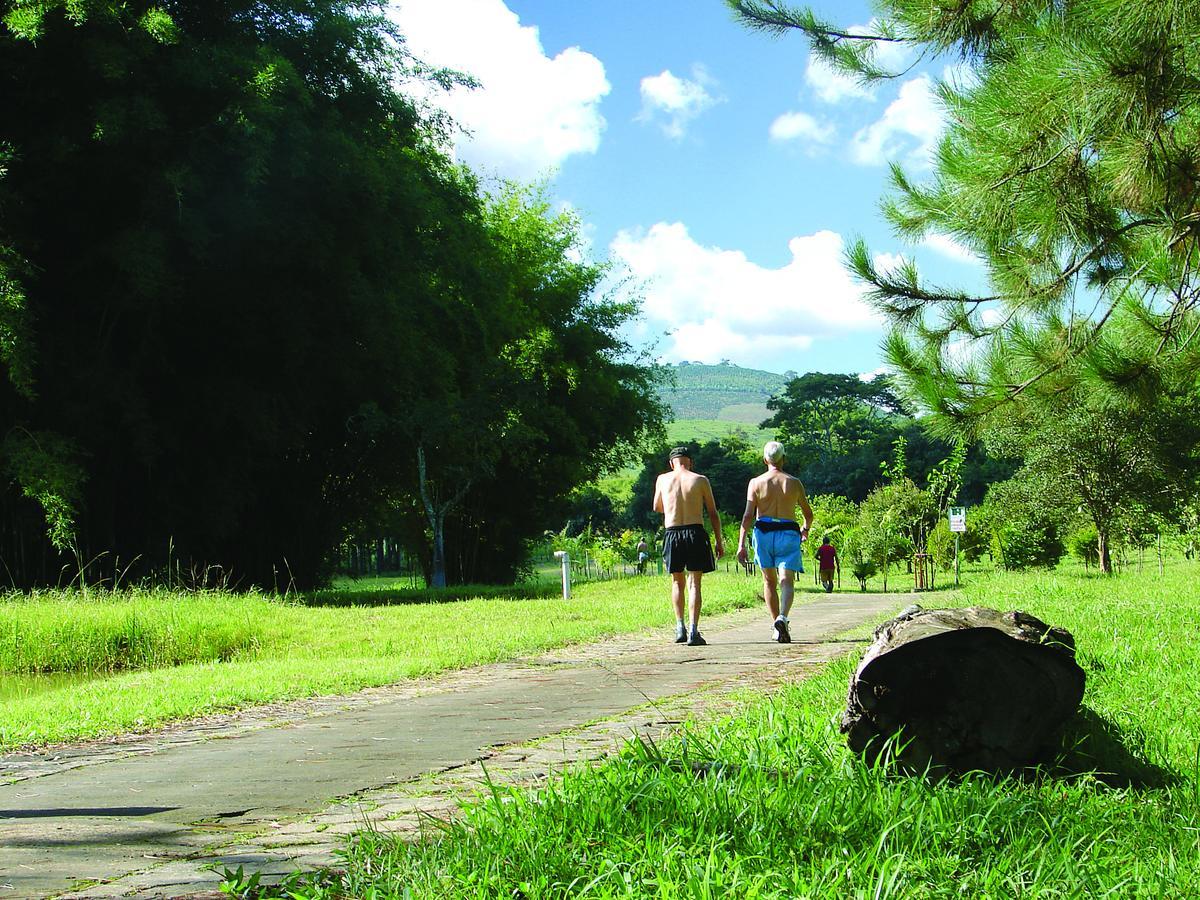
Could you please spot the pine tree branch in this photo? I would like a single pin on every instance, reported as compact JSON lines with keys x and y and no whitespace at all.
{"x":778,"y":18}
{"x":1027,"y":171}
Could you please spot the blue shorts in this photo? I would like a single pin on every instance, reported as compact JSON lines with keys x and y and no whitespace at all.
{"x":778,"y":549}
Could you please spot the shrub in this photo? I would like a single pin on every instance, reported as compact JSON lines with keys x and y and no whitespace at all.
{"x":832,"y":516}
{"x":1026,"y":544}
{"x":1084,"y":545}
{"x":853,"y":550}
{"x":940,"y":545}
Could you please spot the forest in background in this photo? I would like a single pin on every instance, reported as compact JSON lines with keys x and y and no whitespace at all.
{"x":251,"y":310}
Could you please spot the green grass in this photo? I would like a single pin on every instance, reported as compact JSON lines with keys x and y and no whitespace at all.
{"x":786,"y":811}
{"x":749,"y":413}
{"x":701,"y":431}
{"x":178,"y":655}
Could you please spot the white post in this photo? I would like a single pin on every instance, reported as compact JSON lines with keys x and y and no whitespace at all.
{"x":956,"y":559}
{"x":566,"y":572}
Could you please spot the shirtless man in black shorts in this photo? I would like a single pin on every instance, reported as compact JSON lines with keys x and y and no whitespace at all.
{"x":682,"y":497}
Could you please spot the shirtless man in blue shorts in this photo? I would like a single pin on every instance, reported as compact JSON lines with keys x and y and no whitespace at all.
{"x":682,"y":497}
{"x":771,"y":502}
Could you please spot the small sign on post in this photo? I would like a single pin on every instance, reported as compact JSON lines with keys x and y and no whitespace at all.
{"x":958,"y":524}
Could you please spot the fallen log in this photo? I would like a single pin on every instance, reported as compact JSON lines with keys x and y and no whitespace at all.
{"x":962,"y":690}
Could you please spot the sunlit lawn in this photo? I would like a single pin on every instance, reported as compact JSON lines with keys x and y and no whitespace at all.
{"x":160,"y":655}
{"x":786,"y":811}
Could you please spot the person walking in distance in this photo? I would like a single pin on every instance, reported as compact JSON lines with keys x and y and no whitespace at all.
{"x":827,"y":564}
{"x":682,"y":497}
{"x":643,"y":556}
{"x":771,"y":503}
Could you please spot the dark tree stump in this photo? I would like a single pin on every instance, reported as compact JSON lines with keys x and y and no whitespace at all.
{"x":965,"y":689}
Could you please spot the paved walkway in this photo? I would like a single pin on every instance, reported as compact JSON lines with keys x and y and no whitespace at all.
{"x":276,"y":790}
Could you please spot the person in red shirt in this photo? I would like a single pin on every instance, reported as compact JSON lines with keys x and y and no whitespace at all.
{"x":827,"y":564}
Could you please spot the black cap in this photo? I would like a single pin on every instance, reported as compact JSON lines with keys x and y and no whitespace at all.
{"x":677,"y":452}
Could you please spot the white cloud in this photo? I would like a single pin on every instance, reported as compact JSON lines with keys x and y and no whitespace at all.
{"x":909,"y":127}
{"x":874,"y":373}
{"x":886,"y":263}
{"x":961,"y":76}
{"x":717,"y":304}
{"x":800,"y":126}
{"x":951,"y":249}
{"x":674,"y":102}
{"x":832,"y":86}
{"x":531,"y":111}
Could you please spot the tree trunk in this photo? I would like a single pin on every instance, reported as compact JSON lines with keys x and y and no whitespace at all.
{"x":1103,"y":553}
{"x":437,"y":567}
{"x":962,"y":689}
{"x":436,"y":513}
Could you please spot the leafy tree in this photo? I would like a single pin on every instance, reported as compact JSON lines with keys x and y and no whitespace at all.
{"x":243,"y":291}
{"x":940,"y":545}
{"x":1082,"y":543}
{"x":223,"y":225}
{"x":890,"y":521}
{"x":1120,"y":467}
{"x":824,"y":415}
{"x":855,"y":550}
{"x":590,"y":506}
{"x":1023,"y":529}
{"x":840,"y":449}
{"x":563,"y":399}
{"x":833,"y":516}
{"x":1069,"y":166}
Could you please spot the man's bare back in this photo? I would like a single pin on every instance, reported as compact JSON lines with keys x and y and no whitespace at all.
{"x":776,"y":494}
{"x":681,"y":496}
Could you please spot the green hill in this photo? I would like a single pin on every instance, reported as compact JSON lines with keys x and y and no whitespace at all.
{"x":724,"y":393}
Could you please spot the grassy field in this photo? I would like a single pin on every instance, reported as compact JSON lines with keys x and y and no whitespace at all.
{"x":722,"y":392}
{"x":159,"y":656}
{"x":701,"y":431}
{"x":786,"y":811}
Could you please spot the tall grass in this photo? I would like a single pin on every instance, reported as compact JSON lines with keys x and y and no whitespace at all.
{"x":179,"y":655}
{"x":771,"y":804}
{"x":65,"y":631}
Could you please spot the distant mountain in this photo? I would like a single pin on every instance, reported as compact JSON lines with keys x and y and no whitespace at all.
{"x":725,"y":393}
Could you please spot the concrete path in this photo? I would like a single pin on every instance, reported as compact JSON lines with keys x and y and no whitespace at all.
{"x":73,"y":822}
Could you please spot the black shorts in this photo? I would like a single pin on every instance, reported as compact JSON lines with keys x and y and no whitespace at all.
{"x":686,"y":549}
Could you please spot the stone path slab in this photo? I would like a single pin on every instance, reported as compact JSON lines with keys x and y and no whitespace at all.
{"x":155,"y":815}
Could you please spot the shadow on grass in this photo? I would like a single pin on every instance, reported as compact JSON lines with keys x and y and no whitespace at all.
{"x":1096,"y":747}
{"x":365,"y":595}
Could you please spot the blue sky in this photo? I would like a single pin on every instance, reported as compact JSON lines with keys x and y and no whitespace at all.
{"x":722,"y":169}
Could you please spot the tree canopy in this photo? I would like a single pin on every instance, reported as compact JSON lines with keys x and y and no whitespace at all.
{"x":241,"y":284}
{"x":839,"y":431}
{"x":1121,"y":470}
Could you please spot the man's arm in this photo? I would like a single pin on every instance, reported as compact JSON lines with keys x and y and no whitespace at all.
{"x":748,"y":518}
{"x":710,"y":503}
{"x":658,"y":501}
{"x":805,"y":509}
